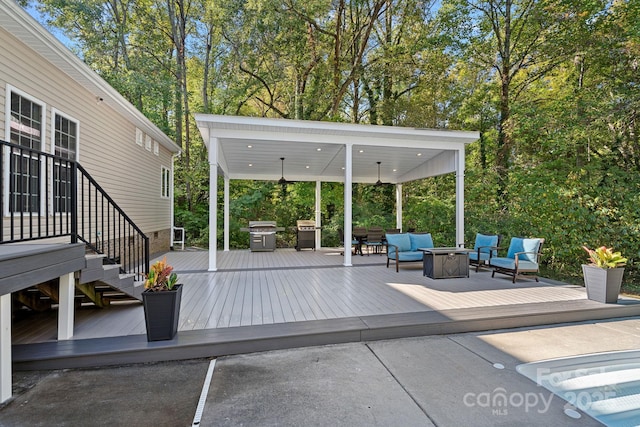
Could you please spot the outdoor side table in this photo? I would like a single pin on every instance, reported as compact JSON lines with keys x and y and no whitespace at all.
{"x":445,"y":263}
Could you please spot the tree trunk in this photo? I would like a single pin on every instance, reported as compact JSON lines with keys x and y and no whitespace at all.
{"x":387,"y":79}
{"x":178,"y":19}
{"x":205,"y":71}
{"x":503,"y":155}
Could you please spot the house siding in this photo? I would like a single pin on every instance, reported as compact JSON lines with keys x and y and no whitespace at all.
{"x":107,"y":147}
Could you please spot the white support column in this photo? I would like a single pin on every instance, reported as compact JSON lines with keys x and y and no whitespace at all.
{"x":399,"y":206}
{"x":5,"y":347}
{"x":171,"y":204}
{"x":66,"y":306}
{"x":226,"y":213}
{"x":460,"y":197}
{"x":213,"y":203}
{"x":348,"y":199}
{"x":318,"y":214}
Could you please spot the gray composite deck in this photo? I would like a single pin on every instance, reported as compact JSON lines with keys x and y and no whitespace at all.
{"x":264,"y":300}
{"x":17,"y":261}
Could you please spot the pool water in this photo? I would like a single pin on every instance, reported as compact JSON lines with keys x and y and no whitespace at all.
{"x":606,"y":386}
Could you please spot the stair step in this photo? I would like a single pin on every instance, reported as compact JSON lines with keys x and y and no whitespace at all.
{"x":111,"y":271}
{"x":94,"y":261}
{"x":91,"y":275}
{"x":119,"y":296}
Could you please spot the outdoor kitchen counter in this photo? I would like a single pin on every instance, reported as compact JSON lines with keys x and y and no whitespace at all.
{"x":247,"y":229}
{"x":262,"y":235}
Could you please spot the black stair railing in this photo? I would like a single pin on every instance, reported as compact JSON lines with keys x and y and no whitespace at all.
{"x":44,"y":196}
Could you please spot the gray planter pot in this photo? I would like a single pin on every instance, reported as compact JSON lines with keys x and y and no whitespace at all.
{"x":603,"y":284}
{"x":161,"y":313}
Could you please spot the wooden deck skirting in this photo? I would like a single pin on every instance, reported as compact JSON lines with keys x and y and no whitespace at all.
{"x":285,"y":299}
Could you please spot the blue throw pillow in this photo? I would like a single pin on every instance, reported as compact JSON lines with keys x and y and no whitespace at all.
{"x":420,"y":241}
{"x":524,"y":245}
{"x":483,"y":240}
{"x":533,"y":247}
{"x":401,"y":240}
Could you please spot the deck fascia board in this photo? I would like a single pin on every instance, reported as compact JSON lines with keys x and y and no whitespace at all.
{"x":52,"y":261}
{"x":250,"y":339}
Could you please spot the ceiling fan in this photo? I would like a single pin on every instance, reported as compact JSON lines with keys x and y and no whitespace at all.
{"x":378,"y":182}
{"x":282,"y":181}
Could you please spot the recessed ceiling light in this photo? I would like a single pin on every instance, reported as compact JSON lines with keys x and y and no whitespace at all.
{"x":395,"y":170}
{"x":249,"y":146}
{"x":343,"y":168}
{"x":307,"y":166}
{"x":419,"y":154}
{"x":361,"y":151}
{"x":250,"y":164}
{"x":318,"y":149}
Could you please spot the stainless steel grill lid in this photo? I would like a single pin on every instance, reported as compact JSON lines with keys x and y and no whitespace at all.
{"x":306,"y":225}
{"x":262,"y":226}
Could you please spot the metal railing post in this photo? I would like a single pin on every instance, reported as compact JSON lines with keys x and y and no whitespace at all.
{"x":73,"y":184}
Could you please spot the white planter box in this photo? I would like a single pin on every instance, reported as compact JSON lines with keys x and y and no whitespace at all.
{"x":603,"y":284}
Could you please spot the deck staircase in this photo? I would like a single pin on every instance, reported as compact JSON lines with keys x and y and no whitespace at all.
{"x":102,"y":283}
{"x":98,"y":284}
{"x":67,"y":204}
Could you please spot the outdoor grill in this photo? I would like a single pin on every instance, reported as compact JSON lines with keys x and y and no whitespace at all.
{"x":262,"y":235}
{"x":306,"y":234}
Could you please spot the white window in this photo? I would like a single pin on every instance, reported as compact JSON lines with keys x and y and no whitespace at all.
{"x":65,"y":146}
{"x":166,"y":183}
{"x":26,"y":124}
{"x":156,"y":148}
{"x":139,"y":137}
{"x":147,"y":142}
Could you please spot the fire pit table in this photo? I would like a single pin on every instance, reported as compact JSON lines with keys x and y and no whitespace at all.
{"x":445,"y":263}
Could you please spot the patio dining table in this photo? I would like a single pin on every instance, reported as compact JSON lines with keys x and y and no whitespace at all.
{"x":360,"y":238}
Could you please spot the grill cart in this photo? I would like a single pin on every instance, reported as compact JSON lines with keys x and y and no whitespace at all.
{"x":306,"y":234}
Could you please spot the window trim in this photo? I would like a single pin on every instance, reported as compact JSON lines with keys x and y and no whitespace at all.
{"x":9,"y":90}
{"x":55,"y":112}
{"x":139,"y":136}
{"x":165,"y":182}
{"x":7,"y":112}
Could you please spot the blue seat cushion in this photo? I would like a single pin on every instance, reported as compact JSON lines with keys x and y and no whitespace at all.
{"x":531,"y":246}
{"x":510,"y":264}
{"x":420,"y":241}
{"x":482,"y":241}
{"x":402,"y":241}
{"x":406,"y":256}
{"x":473,"y":256}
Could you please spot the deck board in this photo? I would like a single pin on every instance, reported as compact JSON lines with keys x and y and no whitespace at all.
{"x":286,"y":286}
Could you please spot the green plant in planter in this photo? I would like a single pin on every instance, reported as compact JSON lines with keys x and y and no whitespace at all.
{"x":161,"y":277}
{"x":604,"y":257}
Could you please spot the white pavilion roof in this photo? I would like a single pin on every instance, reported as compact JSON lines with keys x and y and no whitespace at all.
{"x":251,"y":148}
